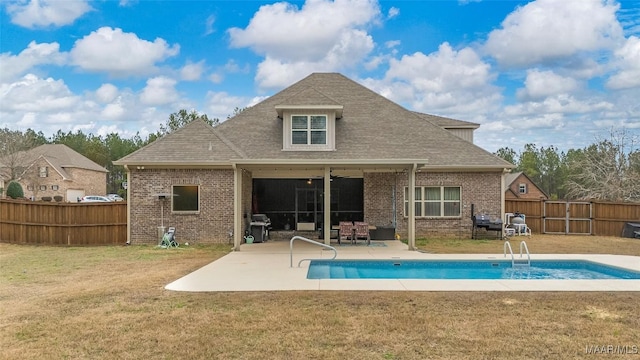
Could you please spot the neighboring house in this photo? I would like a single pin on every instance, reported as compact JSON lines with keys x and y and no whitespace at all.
{"x":55,"y":170}
{"x":519,"y":186}
{"x":325,"y":134}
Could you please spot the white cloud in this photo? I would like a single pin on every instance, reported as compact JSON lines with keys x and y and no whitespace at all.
{"x":113,"y":111}
{"x":208,"y":26}
{"x":192,"y":71}
{"x":233,"y":67}
{"x":321,"y":36}
{"x":33,"y":94}
{"x":216,"y":78}
{"x":118,"y":53}
{"x":392,"y":44}
{"x":628,"y":61}
{"x":393,"y":12}
{"x":562,"y":104}
{"x":107,"y":93}
{"x":159,"y":91}
{"x":548,"y":30}
{"x":541,"y":84}
{"x":443,"y":82}
{"x":14,"y":66}
{"x":348,"y":51}
{"x":221,"y":104}
{"x":44,"y":13}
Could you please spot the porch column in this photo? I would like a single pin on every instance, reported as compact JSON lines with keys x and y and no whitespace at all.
{"x":502,"y":195}
{"x":411,"y":241}
{"x":327,"y":206}
{"x":237,"y":207}
{"x":129,"y":183}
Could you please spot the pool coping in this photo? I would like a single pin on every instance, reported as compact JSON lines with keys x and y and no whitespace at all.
{"x":266,"y":267}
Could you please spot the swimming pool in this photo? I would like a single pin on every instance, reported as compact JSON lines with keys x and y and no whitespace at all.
{"x":464,"y":269}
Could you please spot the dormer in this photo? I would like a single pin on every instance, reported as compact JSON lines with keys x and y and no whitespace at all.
{"x":309,"y":121}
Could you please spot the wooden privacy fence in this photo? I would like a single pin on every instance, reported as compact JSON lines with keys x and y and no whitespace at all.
{"x":575,"y":217}
{"x":44,"y":223}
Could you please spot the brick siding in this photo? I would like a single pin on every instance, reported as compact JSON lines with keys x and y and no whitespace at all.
{"x":211,"y":224}
{"x":215,"y":219}
{"x":481,"y":189}
{"x":90,"y":181}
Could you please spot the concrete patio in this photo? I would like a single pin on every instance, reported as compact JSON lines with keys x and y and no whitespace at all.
{"x":266,"y":267}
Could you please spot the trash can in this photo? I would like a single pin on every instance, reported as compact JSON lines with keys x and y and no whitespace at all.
{"x":258,"y":232}
{"x":260,"y":225}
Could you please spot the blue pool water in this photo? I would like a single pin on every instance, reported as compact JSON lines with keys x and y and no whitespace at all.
{"x":462,"y":269}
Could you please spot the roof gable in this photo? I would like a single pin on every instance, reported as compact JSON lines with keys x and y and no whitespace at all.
{"x":194,"y":143}
{"x":511,"y":178}
{"x":372,"y":127}
{"x":60,"y":157}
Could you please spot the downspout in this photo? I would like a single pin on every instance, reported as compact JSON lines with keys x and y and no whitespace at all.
{"x":411,"y":241}
{"x":237,"y":207}
{"x":126,"y":167}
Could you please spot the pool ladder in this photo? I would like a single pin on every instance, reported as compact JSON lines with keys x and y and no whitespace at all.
{"x":335,"y":252}
{"x":521,"y":261}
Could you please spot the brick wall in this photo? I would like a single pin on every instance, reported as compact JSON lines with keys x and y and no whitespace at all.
{"x":481,"y":189}
{"x":92,"y":182}
{"x":211,"y":224}
{"x":89,"y":181}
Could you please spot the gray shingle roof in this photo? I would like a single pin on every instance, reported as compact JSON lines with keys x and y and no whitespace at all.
{"x":448,"y":123}
{"x":195,"y":143}
{"x":371,"y":128}
{"x":510,"y":178}
{"x":60,"y":157}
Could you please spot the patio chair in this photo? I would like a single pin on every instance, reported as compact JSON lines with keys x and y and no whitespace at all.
{"x":345,"y":231}
{"x":362,"y":231}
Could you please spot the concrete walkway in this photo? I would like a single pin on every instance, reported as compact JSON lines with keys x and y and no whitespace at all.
{"x":266,"y":267}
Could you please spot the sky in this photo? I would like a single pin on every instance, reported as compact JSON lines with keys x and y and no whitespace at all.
{"x":560,"y":73}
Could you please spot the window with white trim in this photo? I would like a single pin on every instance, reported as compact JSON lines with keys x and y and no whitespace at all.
{"x":522,"y":188}
{"x":308,"y":129}
{"x":43,"y":171}
{"x":185,"y":198}
{"x":434,"y":201}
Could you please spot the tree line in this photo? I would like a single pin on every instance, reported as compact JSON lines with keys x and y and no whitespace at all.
{"x":103,"y":150}
{"x":608,"y":169}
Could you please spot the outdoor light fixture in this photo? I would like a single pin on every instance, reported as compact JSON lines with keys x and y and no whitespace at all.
{"x":309,"y":182}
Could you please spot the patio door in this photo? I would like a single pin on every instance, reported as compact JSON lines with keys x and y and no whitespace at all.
{"x":308,"y":210}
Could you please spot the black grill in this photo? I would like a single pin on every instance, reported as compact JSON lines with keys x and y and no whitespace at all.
{"x":486,"y":222}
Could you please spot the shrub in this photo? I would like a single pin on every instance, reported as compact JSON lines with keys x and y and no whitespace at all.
{"x":14,"y":190}
{"x":57,"y":198}
{"x":46,"y":198}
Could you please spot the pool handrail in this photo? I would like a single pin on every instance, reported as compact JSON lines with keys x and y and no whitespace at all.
{"x":521,"y":261}
{"x":507,"y":245}
{"x":298,"y":237}
{"x":526,"y":248}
